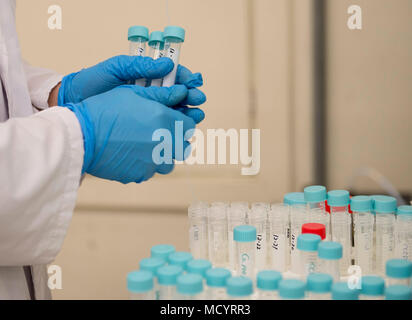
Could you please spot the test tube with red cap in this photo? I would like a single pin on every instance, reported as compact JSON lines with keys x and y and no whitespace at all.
{"x":315,"y":228}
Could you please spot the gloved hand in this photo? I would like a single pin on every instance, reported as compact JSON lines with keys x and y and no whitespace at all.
{"x":118,"y":126}
{"x":119,"y":70}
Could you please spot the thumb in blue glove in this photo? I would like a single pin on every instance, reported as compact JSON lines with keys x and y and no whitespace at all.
{"x":118,"y":128}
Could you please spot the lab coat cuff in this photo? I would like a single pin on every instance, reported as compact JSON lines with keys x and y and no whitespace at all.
{"x":40,"y":97}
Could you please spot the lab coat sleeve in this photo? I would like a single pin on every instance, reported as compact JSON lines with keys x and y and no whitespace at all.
{"x":41,"y":157}
{"x":40,"y":82}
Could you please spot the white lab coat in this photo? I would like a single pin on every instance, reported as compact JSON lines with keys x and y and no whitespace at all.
{"x":41,"y":155}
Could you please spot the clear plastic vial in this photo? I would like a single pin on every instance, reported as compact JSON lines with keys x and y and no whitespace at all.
{"x":341,"y":225}
{"x":329,"y":254}
{"x":315,"y":197}
{"x":138,"y":37}
{"x":398,"y":292}
{"x":398,"y":271}
{"x":167,"y":279}
{"x":385,"y":208}
{"x":292,"y":289}
{"x":217,"y":230}
{"x":239,"y":288}
{"x":236,"y":216}
{"x":372,"y":288}
{"x":278,"y":237}
{"x":308,"y":253}
{"x":180,"y":258}
{"x":267,"y":283}
{"x":297,"y":219}
{"x":363,"y":221}
{"x":189,"y":287}
{"x":318,"y":286}
{"x":198,"y":238}
{"x":140,"y":285}
{"x":152,"y":265}
{"x":173,"y":38}
{"x":162,"y":251}
{"x":258,"y":218}
{"x":341,"y":291}
{"x":156,"y":51}
{"x":216,"y":283}
{"x":403,"y":233}
{"x":245,"y":238}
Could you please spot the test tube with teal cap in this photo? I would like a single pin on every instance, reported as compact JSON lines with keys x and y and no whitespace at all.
{"x":138,"y":37}
{"x":173,"y":38}
{"x":156,"y":51}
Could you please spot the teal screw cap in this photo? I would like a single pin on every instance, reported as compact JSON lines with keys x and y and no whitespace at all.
{"x":174,"y":33}
{"x":361,"y":204}
{"x":189,"y":284}
{"x":404,"y":210}
{"x":155,"y":36}
{"x":239,"y":286}
{"x":398,"y":268}
{"x":268,"y":280}
{"x":180,"y":258}
{"x":198,"y":266}
{"x":372,"y":286}
{"x":338,"y":198}
{"x":308,"y":242}
{"x":151,"y":264}
{"x":315,"y":194}
{"x":330,"y":250}
{"x":167,"y":275}
{"x":341,"y":291}
{"x":217,"y":277}
{"x":294,"y":198}
{"x":136,"y":32}
{"x":292,"y":289}
{"x":398,"y":292}
{"x":140,"y":281}
{"x":384,"y":204}
{"x":319,"y":282}
{"x":244,"y":233}
{"x":162,"y":251}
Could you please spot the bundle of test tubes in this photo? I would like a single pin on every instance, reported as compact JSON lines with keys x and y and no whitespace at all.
{"x":315,"y":245}
{"x":161,"y":44}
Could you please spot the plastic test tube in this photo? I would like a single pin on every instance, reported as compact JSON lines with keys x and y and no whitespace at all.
{"x":292,"y":289}
{"x":372,"y":288}
{"x":329,"y":254}
{"x":217,"y":230}
{"x":180,"y":258}
{"x":315,"y":228}
{"x":341,"y":291}
{"x":162,"y":251}
{"x":152,"y":265}
{"x":398,"y":292}
{"x":308,"y":253}
{"x":403,"y":233}
{"x":341,"y":225}
{"x":267,"y":283}
{"x":278,"y":236}
{"x":385,"y":208}
{"x":315,"y":197}
{"x":197,"y":213}
{"x":156,"y":51}
{"x":216,"y":283}
{"x":245,"y":238}
{"x":189,"y":287}
{"x":399,"y":271}
{"x":138,"y":36}
{"x":363,"y":221}
{"x":167,"y":279}
{"x":140,"y":285}
{"x":173,"y":38}
{"x":239,"y":288}
{"x":236,"y":216}
{"x":318,"y":286}
{"x":258,"y":218}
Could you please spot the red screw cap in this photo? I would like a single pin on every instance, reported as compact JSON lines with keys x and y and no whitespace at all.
{"x":314,"y":228}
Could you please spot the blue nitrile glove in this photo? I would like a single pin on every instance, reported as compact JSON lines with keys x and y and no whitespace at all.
{"x":118,"y":126}
{"x":119,"y":70}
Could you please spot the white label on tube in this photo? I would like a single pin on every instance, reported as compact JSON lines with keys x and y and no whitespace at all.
{"x":260,"y":251}
{"x":169,"y":80}
{"x":245,"y":265}
{"x":278,"y":247}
